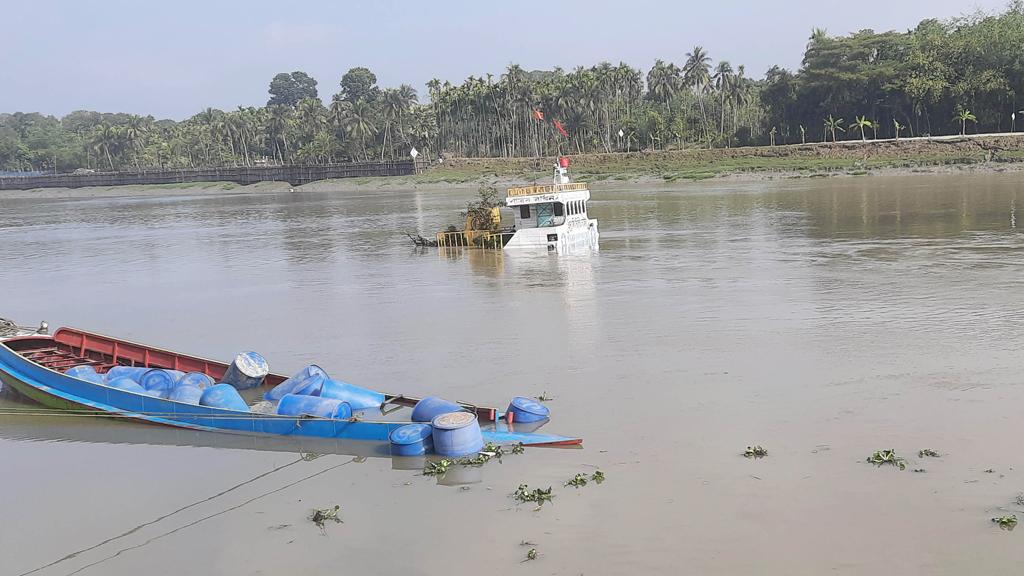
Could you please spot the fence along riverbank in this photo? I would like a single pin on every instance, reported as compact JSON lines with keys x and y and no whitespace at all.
{"x":294,"y":175}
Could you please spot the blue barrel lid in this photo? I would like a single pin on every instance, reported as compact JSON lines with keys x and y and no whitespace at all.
{"x":530,"y":405}
{"x":411,"y":434}
{"x":453,"y":420}
{"x":251,"y":364}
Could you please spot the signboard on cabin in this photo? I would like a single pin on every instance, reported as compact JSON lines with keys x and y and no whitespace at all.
{"x":519,"y":200}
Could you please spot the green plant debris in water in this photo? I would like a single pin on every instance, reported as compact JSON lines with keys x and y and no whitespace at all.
{"x":597,"y":477}
{"x":438,"y":468}
{"x":323,"y":515}
{"x":518,"y":448}
{"x":881,"y":457}
{"x":544,"y":397}
{"x":1019,"y":500}
{"x":1006,"y":522}
{"x":475,"y":461}
{"x":755,"y":452}
{"x":493,"y":450}
{"x":919,"y":470}
{"x":927,"y":453}
{"x":530,"y":555}
{"x":577,"y":481}
{"x":523,"y":494}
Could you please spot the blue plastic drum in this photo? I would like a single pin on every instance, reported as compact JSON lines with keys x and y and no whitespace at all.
{"x":528,"y":410}
{"x":302,"y":405}
{"x":431,"y":407}
{"x":159,"y":381}
{"x":186,"y":394}
{"x":127,"y":384}
{"x":247,"y":371}
{"x":196,"y":379}
{"x":87,"y":373}
{"x":305,"y":381}
{"x":133,"y":372}
{"x":457,"y":434}
{"x":358,"y":398}
{"x":412,"y":440}
{"x":223,"y":396}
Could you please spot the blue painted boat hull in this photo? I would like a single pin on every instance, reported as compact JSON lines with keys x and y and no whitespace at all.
{"x":57,"y":390}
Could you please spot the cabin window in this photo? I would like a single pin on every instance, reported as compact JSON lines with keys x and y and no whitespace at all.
{"x":559,"y":209}
{"x":524,"y":211}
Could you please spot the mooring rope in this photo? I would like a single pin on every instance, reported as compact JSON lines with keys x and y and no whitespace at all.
{"x":10,"y":328}
{"x":215,"y":514}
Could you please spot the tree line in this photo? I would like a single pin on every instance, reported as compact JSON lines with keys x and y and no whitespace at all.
{"x":941,"y":77}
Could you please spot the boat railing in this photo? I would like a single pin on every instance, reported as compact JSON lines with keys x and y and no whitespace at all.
{"x":546,"y":189}
{"x":474,"y":239}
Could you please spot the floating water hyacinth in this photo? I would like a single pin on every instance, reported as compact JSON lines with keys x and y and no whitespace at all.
{"x":889,"y":456}
{"x":755,"y":452}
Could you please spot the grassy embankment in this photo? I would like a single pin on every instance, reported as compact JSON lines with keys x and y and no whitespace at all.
{"x":798,"y":160}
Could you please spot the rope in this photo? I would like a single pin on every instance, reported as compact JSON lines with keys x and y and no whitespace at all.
{"x":9,"y":328}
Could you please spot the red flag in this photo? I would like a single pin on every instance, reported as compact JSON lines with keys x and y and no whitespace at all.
{"x":538,"y":115}
{"x":560,"y":129}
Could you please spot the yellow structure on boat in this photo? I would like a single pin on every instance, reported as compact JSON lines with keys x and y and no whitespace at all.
{"x":471,"y":235}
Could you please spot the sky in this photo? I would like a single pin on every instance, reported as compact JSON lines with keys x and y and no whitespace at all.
{"x":174,"y":58}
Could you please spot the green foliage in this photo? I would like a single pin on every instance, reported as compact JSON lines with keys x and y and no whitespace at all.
{"x":359,"y":84}
{"x":523,"y":494}
{"x":288,"y":89}
{"x":438,"y":468}
{"x":911,"y":83}
{"x":1008,"y":522}
{"x":478,"y":212}
{"x":882,"y":457}
{"x":323,"y":515}
{"x":755,"y":452}
{"x":577,"y":481}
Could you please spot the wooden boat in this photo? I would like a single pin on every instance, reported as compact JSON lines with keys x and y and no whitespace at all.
{"x":34,"y":366}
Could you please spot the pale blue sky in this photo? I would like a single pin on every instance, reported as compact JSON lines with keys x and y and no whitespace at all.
{"x":174,"y":57}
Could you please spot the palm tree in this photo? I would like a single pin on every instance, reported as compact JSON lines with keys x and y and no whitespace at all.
{"x":833,"y":124}
{"x":358,"y":123}
{"x":897,"y":127}
{"x":134,"y":131}
{"x":861,"y":123}
{"x":278,"y":123}
{"x":723,"y":79}
{"x":697,"y":72}
{"x":310,"y":115}
{"x":964,"y":116}
{"x":104,"y":138}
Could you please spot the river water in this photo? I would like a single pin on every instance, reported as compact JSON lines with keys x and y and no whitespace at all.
{"x":822,"y":319}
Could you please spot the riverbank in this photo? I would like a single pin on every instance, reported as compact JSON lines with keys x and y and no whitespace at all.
{"x":990,"y":153}
{"x":939,"y":155}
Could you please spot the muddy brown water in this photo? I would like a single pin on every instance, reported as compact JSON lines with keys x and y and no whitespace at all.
{"x":822,"y":319}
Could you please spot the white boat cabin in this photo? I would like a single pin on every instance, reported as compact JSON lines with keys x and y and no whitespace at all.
{"x":552,"y":216}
